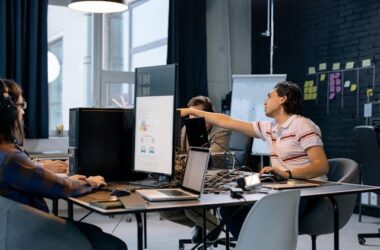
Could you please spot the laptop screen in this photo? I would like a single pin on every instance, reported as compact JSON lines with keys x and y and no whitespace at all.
{"x":196,"y":167}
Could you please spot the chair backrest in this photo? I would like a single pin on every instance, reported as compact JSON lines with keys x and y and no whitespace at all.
{"x":367,"y":139}
{"x":272,"y":223}
{"x":24,"y":227}
{"x":241,"y":146}
{"x":317,"y":219}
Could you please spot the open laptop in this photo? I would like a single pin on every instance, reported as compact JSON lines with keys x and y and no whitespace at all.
{"x":193,"y":180}
{"x":196,"y":132}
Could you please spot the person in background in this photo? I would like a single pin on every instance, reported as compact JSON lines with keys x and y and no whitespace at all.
{"x":219,"y":139}
{"x":294,"y":141}
{"x":24,"y":181}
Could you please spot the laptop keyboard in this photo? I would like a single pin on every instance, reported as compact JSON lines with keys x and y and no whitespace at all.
{"x":173,"y":192}
{"x":149,"y":183}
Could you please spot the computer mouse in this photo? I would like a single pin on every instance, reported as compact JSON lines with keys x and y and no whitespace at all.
{"x":120,"y":192}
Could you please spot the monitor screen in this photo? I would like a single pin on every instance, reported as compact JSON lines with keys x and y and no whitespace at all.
{"x":154,"y":134}
{"x":155,"y":123}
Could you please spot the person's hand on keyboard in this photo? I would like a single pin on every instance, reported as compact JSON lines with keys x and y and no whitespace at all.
{"x":278,"y":173}
{"x":98,"y":180}
{"x":55,"y":166}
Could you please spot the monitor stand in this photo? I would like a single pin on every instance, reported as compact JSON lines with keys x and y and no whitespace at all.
{"x":153,"y":181}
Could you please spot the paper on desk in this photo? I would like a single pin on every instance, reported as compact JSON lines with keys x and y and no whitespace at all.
{"x":133,"y":201}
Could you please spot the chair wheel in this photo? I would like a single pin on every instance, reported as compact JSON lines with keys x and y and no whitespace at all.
{"x":361,"y":241}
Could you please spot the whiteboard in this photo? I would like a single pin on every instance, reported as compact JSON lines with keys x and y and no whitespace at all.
{"x":249,"y":93}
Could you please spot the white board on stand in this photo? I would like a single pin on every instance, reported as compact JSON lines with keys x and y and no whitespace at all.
{"x":249,"y":93}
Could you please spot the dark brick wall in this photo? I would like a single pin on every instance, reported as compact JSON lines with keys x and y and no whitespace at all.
{"x":309,"y":32}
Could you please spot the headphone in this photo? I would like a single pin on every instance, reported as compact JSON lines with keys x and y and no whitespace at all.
{"x":8,"y":110}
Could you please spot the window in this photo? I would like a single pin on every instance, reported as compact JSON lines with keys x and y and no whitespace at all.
{"x":97,"y":55}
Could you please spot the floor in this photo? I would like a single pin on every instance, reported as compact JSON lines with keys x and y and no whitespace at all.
{"x":163,"y":234}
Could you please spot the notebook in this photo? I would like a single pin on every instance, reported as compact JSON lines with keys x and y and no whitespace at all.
{"x":196,"y":132}
{"x":193,"y":180}
{"x":292,"y":184}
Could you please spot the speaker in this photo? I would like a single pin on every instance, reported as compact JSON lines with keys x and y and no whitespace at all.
{"x":101,"y":143}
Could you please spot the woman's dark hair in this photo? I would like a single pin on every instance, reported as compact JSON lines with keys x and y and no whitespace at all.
{"x":202,"y":100}
{"x":293,"y":103}
{"x":11,"y":128}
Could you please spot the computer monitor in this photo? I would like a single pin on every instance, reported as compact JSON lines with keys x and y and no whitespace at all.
{"x":196,"y":132}
{"x":155,"y":119}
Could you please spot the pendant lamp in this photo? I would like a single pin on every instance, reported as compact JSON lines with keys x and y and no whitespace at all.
{"x":99,"y":6}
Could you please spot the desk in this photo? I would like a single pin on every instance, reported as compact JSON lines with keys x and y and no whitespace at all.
{"x":328,"y":189}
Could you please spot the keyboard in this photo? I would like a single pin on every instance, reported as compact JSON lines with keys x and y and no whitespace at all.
{"x":173,"y":192}
{"x":149,"y":183}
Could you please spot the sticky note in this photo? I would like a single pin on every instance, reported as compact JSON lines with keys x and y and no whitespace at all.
{"x":311,"y":70}
{"x":347,"y":84}
{"x":350,"y":65}
{"x":353,"y":87}
{"x":367,"y":109}
{"x":322,"y":77}
{"x":322,"y":66}
{"x":336,"y":66}
{"x":314,"y":96}
{"x":331,"y":96}
{"x":369,"y":92}
{"x":366,"y":62}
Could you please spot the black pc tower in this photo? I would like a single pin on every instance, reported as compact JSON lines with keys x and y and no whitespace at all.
{"x":101,"y":143}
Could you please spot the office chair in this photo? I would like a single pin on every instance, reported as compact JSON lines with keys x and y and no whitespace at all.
{"x":318,"y":218}
{"x":367,"y":139}
{"x":24,"y":227}
{"x":276,"y":216}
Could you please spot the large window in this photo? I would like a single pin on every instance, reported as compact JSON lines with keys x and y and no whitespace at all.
{"x":97,"y":55}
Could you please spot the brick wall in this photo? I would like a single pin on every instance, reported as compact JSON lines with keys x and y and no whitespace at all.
{"x":309,"y":32}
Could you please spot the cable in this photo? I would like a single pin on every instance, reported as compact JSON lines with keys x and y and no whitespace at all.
{"x":118,"y":223}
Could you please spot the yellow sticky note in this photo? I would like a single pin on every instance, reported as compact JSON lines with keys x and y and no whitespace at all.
{"x":353,"y":87}
{"x":311,"y":70}
{"x":369,"y":92}
{"x":366,"y":62}
{"x":336,"y":66}
{"x":322,"y":66}
{"x":322,"y":77}
{"x":350,"y":65}
{"x":306,"y":84}
{"x":315,"y":89}
{"x":313,"y":96}
{"x":311,"y":83}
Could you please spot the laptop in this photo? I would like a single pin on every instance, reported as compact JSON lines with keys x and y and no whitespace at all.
{"x":193,"y":180}
{"x":196,"y":132}
{"x":293,"y":183}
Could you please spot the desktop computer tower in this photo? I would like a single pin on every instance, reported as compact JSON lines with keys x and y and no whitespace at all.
{"x":101,"y":142}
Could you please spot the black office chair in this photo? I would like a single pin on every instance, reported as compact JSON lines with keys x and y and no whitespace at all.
{"x":24,"y":227}
{"x":367,"y":139}
{"x":317,"y":219}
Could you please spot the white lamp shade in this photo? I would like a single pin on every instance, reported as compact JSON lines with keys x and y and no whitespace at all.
{"x":99,"y":6}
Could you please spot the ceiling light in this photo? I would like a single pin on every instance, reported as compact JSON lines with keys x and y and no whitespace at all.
{"x":99,"y":6}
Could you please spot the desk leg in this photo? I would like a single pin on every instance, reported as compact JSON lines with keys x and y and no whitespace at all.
{"x":145,"y":233}
{"x":70,"y":210}
{"x":336,"y":221}
{"x":204,"y":229}
{"x":139,"y":231}
{"x":55,"y":206}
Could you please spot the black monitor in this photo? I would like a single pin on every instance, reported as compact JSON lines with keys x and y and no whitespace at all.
{"x":101,"y":143}
{"x":196,"y":132}
{"x":155,"y":119}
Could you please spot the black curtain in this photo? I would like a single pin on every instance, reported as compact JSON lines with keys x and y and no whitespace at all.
{"x":23,"y":50}
{"x":187,"y":47}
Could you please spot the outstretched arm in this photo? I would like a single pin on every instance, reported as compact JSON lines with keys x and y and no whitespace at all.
{"x":221,"y":120}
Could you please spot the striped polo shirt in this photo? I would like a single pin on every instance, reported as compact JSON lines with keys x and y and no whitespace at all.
{"x":288,"y":142}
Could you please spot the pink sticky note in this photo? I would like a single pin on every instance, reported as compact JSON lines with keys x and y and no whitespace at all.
{"x":331,"y":96}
